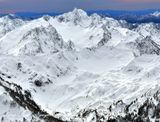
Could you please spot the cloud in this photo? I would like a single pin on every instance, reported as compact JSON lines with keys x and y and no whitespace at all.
{"x":139,"y":0}
{"x":2,"y":1}
{"x":67,"y":5}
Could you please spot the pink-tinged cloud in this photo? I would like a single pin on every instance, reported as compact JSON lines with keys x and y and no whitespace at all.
{"x":7,"y":11}
{"x":10,"y":6}
{"x":138,"y":0}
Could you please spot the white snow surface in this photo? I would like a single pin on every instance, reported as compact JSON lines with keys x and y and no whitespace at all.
{"x":63,"y":52}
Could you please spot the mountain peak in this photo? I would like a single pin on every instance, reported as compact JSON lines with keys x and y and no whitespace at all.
{"x":76,"y":16}
{"x":37,"y":40}
{"x":156,"y":14}
{"x":11,"y":16}
{"x":46,"y":17}
{"x":79,"y":67}
{"x":79,"y":12}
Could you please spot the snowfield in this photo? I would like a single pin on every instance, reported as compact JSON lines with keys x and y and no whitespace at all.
{"x":78,"y":68}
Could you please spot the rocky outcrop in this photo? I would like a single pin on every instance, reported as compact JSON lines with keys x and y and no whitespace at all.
{"x":24,"y":99}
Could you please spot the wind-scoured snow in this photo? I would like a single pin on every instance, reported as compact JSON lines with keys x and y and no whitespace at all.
{"x":75,"y":63}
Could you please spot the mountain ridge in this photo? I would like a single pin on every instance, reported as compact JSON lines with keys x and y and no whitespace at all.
{"x":132,"y":16}
{"x":79,"y":67}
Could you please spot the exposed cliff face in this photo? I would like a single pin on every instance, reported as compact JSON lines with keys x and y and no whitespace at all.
{"x":80,"y":68}
{"x":146,"y":110}
{"x":9,"y":23}
{"x":24,"y":99}
{"x":145,"y":45}
{"x":35,"y":41}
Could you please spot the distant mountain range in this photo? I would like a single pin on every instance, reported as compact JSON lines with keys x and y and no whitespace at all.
{"x":142,"y":16}
{"x":134,"y":16}
{"x":79,"y":67}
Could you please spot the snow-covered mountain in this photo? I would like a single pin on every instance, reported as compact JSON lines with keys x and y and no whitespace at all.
{"x":80,"y":68}
{"x":9,"y":23}
{"x":156,"y":14}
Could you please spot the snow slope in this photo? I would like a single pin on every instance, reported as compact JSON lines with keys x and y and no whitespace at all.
{"x":9,"y":23}
{"x":79,"y":68}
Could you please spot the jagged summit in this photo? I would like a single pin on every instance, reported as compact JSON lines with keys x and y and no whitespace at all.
{"x":11,"y":16}
{"x":77,"y":17}
{"x":79,"y":12}
{"x":75,"y":14}
{"x":78,"y":67}
{"x":34,"y":41}
{"x":156,"y":14}
{"x":9,"y":23}
{"x":46,"y":17}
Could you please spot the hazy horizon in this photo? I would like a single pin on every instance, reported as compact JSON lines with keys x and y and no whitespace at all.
{"x":57,"y":6}
{"x":60,"y":12}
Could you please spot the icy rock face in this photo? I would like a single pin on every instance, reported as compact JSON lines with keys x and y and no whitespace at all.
{"x":15,"y":110}
{"x":38,"y":40}
{"x":150,"y":29}
{"x":145,"y":112}
{"x":12,"y":111}
{"x":9,"y":23}
{"x":96,"y":19}
{"x":77,"y":16}
{"x":85,"y":31}
{"x":106,"y":37}
{"x":23,"y":98}
{"x":41,"y":40}
{"x":76,"y":67}
{"x":146,"y":46}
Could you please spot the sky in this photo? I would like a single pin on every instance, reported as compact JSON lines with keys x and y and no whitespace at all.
{"x":13,"y":6}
